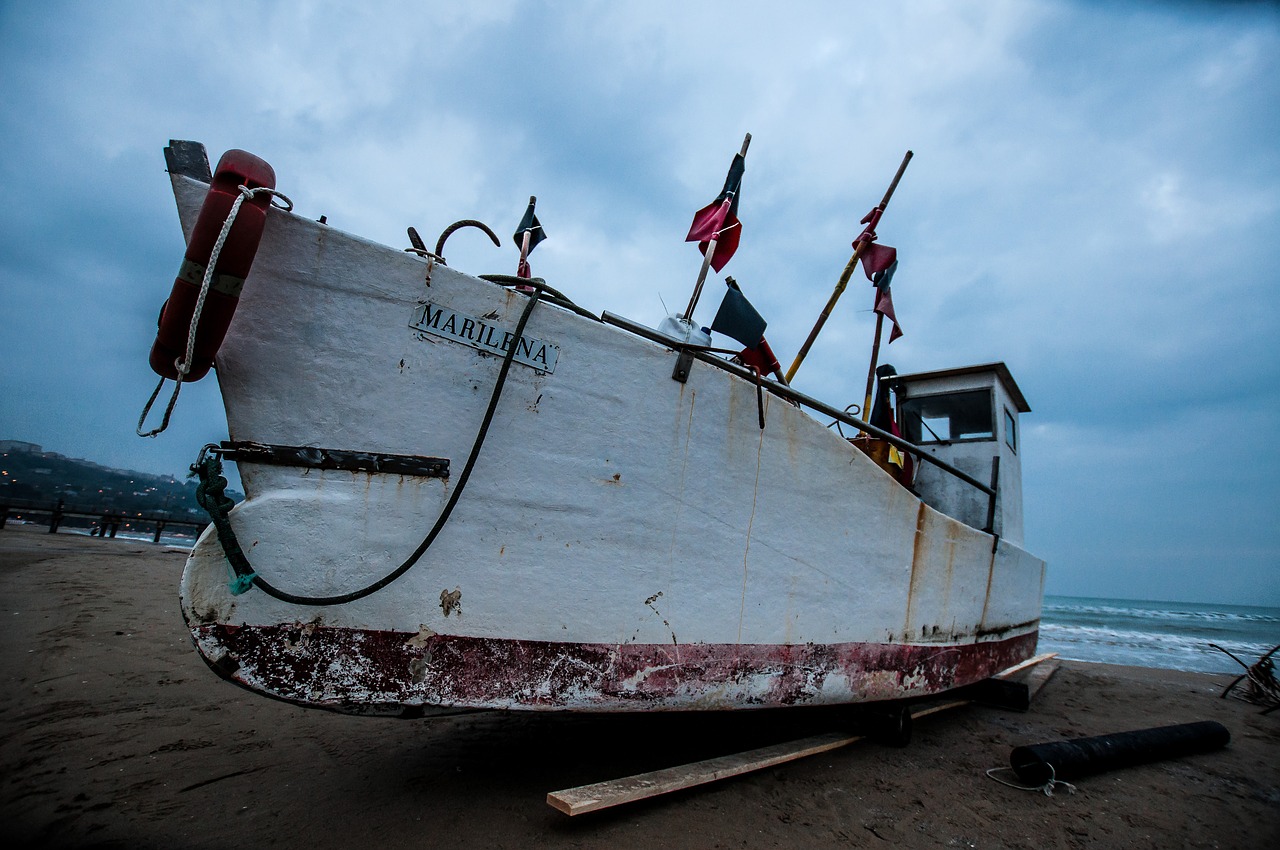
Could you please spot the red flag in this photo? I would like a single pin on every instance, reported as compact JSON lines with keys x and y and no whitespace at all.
{"x":762,"y":357}
{"x":708,"y":221}
{"x":718,"y":220}
{"x":727,"y":239}
{"x":884,"y":306}
{"x":884,"y":296}
{"x":877,"y":258}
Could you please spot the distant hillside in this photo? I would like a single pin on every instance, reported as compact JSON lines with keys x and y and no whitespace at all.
{"x":30,"y":474}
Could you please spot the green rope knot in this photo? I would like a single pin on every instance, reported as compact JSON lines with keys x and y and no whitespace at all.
{"x":211,"y":493}
{"x":212,"y":496}
{"x":240,"y":584}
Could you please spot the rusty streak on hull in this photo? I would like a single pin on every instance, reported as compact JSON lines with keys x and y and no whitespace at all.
{"x":353,"y":669}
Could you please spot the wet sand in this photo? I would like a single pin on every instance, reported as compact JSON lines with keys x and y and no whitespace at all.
{"x":113,"y":733}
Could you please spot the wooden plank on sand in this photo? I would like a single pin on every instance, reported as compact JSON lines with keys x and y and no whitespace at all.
{"x":600,"y":795}
{"x":926,"y":710}
{"x":1014,"y":688}
{"x":613,"y":792}
{"x":1040,"y":676}
{"x":1030,"y":662}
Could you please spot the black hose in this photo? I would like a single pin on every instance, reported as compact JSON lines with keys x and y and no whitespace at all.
{"x":240,"y":562}
{"x":553,"y":295}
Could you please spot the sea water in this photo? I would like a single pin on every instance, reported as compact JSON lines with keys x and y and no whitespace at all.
{"x":184,"y":541}
{"x":1170,"y":635}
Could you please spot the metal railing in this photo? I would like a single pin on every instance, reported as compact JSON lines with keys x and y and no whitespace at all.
{"x":786,"y":392}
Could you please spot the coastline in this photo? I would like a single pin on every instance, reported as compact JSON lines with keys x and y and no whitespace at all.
{"x":1165,"y":634}
{"x":114,"y":733}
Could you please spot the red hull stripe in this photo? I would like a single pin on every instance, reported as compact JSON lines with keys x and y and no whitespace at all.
{"x":351,"y":668}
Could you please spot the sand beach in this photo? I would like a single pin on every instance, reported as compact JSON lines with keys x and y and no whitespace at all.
{"x":113,"y":733}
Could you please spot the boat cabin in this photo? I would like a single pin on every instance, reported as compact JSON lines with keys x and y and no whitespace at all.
{"x":967,"y":417}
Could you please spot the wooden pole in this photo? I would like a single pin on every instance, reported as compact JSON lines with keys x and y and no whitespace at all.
{"x":844,"y":277}
{"x":826,"y":311}
{"x":871,"y":373}
{"x":702,"y":278}
{"x":710,"y":252}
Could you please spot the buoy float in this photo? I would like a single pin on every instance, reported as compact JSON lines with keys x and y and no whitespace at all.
{"x":236,"y":168}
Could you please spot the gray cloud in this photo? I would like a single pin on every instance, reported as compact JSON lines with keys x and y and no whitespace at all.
{"x":1094,"y":199}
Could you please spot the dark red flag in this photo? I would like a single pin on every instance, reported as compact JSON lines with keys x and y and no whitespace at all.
{"x":761,"y":357}
{"x":884,"y":297}
{"x":719,"y":219}
{"x":877,"y":258}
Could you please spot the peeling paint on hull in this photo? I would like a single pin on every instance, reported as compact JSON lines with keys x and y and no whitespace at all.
{"x":352,"y":669}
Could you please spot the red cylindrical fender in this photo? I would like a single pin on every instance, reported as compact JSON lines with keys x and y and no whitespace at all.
{"x":236,"y":168}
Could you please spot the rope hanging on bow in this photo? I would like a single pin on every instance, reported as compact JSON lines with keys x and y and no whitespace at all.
{"x":183,"y":364}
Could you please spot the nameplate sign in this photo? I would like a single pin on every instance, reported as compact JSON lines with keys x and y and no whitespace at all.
{"x":483,"y":335}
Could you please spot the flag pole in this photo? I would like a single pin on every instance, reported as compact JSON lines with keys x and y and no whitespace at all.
{"x":847,"y":273}
{"x":871,"y":373}
{"x":710,"y":252}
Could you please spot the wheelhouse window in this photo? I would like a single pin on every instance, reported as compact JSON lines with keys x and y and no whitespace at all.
{"x":1011,"y":429}
{"x":946,"y":417}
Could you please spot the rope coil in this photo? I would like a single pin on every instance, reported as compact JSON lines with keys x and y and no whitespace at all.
{"x":1047,"y":788}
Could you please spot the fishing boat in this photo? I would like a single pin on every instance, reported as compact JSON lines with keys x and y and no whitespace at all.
{"x":470,"y":493}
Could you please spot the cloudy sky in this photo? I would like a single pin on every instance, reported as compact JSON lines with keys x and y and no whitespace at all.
{"x":1094,"y":199}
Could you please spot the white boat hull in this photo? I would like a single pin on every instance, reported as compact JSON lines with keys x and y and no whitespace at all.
{"x":626,"y":541}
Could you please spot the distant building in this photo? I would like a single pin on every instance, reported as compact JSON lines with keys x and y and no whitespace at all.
{"x":19,"y":446}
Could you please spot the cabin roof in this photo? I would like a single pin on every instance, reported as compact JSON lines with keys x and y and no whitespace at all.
{"x":1001,"y":371}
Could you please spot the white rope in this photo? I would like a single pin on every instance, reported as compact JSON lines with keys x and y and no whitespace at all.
{"x":183,"y":364}
{"x":1047,"y":788}
{"x":168,"y":411}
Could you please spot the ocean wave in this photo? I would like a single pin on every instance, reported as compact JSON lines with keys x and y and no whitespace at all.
{"x":1179,"y":613}
{"x":183,"y":540}
{"x":1115,"y":637}
{"x":1147,"y":649}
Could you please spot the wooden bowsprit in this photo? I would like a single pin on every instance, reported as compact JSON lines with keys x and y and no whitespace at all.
{"x":641,"y":786}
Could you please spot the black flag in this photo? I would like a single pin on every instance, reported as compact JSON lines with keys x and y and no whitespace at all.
{"x":529,"y":222}
{"x":737,"y":319}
